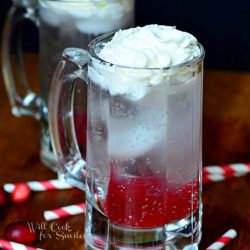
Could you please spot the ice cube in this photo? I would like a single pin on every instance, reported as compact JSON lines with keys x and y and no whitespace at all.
{"x":142,"y":126}
{"x":127,"y":141}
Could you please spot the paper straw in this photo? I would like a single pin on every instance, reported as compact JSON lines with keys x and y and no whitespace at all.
{"x":10,"y":245}
{"x":40,"y":185}
{"x":98,"y":242}
{"x":223,"y":240}
{"x":64,"y":211}
{"x":227,"y":170}
{"x":218,"y":177}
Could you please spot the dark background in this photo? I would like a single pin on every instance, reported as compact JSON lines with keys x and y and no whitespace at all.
{"x":223,"y":27}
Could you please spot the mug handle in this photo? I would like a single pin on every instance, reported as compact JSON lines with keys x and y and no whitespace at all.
{"x":61,"y":116}
{"x":22,"y":99}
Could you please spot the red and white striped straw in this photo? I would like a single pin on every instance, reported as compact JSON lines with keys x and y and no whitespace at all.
{"x":224,"y":172}
{"x":223,"y":240}
{"x":40,"y":185}
{"x":218,"y":177}
{"x":98,"y":242}
{"x":10,"y":245}
{"x":64,"y":211}
{"x":228,"y":170}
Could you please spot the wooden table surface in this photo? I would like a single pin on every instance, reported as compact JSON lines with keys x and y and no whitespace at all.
{"x":226,"y":136}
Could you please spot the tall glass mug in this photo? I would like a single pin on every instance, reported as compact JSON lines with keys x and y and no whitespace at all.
{"x":62,"y":23}
{"x":143,"y":146}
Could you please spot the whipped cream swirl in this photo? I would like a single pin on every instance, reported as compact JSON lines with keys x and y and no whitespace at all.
{"x":145,"y":52}
{"x":152,"y":46}
{"x":89,"y":16}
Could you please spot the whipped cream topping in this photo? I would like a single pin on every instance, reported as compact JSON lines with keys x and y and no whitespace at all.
{"x":90,"y":16}
{"x":151,"y":46}
{"x":145,"y":52}
{"x":86,"y":7}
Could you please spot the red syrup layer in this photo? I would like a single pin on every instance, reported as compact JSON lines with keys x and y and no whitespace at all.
{"x":149,"y":201}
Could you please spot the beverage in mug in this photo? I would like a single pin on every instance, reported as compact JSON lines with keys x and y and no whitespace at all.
{"x":143,"y":134}
{"x":61,"y":24}
{"x":72,"y":24}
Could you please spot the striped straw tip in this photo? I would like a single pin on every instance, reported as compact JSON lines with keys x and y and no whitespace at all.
{"x":223,"y":240}
{"x":38,"y":186}
{"x":10,"y":245}
{"x":9,"y":187}
{"x":63,"y":212}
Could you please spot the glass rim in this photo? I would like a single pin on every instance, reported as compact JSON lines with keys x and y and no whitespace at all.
{"x":97,"y":40}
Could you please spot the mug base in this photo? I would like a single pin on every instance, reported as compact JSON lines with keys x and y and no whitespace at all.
{"x":96,"y":225}
{"x":184,"y":234}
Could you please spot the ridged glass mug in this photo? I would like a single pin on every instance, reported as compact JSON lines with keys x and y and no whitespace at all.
{"x":144,"y":152}
{"x":61,"y":24}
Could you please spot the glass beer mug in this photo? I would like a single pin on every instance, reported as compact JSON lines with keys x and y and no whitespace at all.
{"x":61,"y":23}
{"x":143,"y":168}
